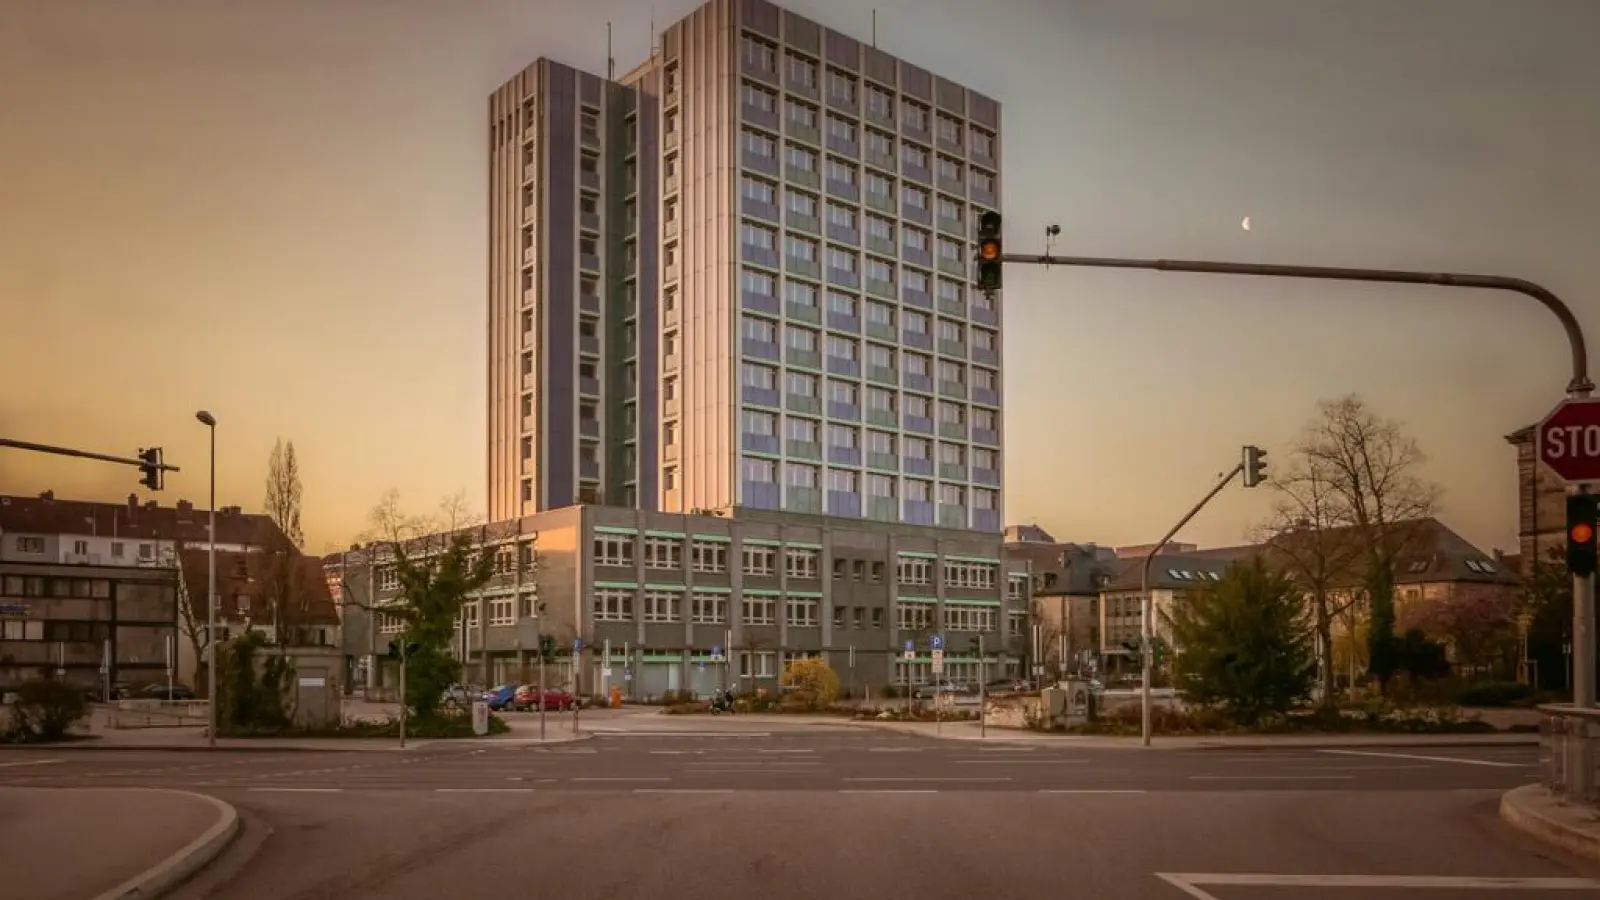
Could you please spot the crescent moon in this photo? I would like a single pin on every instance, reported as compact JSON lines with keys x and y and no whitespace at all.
{"x":1245,"y":224}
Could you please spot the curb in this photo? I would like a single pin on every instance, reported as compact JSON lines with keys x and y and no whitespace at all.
{"x":173,"y":871}
{"x":1517,"y":809}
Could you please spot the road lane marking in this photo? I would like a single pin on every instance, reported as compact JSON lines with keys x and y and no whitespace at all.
{"x":895,"y":749}
{"x":1092,"y":791}
{"x":1355,"y":768}
{"x":483,"y":790}
{"x":1194,"y":884}
{"x":1442,"y":759}
{"x":889,"y":791}
{"x":618,"y":778}
{"x":683,"y":790}
{"x":600,"y":732}
{"x":30,"y":762}
{"x":677,"y":752}
{"x":1016,"y":762}
{"x":1271,"y":777}
{"x":927,"y":779}
{"x":294,"y":790}
{"x":785,"y":751}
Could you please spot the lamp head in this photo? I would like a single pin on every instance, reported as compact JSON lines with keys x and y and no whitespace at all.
{"x":206,"y":419}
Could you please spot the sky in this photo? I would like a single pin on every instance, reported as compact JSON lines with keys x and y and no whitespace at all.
{"x":275,"y":210}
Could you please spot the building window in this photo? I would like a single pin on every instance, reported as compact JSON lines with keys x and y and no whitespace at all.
{"x":613,"y":550}
{"x":804,"y":475}
{"x":802,"y":71}
{"x":760,"y":98}
{"x":759,"y":54}
{"x":31,"y":545}
{"x":663,"y":606}
{"x":759,"y":609}
{"x":914,"y":570}
{"x":802,"y":563}
{"x":612,"y":605}
{"x":762,"y":664}
{"x":708,"y":608}
{"x":912,"y":615}
{"x":754,"y":189}
{"x":709,"y":556}
{"x":841,"y":87}
{"x":800,"y":612}
{"x":502,"y":611}
{"x":760,"y":560}
{"x":663,"y":553}
{"x":978,"y":576}
{"x":800,"y":158}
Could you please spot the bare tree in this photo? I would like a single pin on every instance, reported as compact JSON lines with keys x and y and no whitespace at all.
{"x":1370,"y":467}
{"x":192,"y":622}
{"x":1309,"y":538}
{"x":284,"y":491}
{"x":456,"y":513}
{"x":283,"y":583}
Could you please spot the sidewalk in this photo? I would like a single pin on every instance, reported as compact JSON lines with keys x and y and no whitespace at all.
{"x":194,"y":739}
{"x":969,"y":731}
{"x":1573,"y":827}
{"x":107,"y":843}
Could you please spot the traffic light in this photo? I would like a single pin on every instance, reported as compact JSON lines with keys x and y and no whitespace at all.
{"x":153,"y":476}
{"x":1255,"y":466}
{"x":399,"y":650}
{"x":989,"y":252}
{"x":547,"y":647}
{"x":1582,"y":512}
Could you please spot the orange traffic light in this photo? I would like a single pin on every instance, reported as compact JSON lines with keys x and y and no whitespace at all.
{"x":1583,"y":516}
{"x":1582,"y":533}
{"x":989,"y":250}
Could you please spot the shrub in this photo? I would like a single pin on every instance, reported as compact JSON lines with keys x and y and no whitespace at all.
{"x":1496,"y":693}
{"x":45,"y":711}
{"x":812,"y":684}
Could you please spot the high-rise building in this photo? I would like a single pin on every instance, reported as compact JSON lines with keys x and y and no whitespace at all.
{"x":741,"y":277}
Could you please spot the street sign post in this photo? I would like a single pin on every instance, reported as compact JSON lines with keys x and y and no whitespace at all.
{"x":1568,"y":441}
{"x":911,"y":650}
{"x":938,"y":661}
{"x":936,"y":642}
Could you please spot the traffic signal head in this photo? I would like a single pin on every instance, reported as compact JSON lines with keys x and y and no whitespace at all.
{"x":989,"y":252}
{"x":153,"y":475}
{"x":1255,"y":466}
{"x":1582,"y":512}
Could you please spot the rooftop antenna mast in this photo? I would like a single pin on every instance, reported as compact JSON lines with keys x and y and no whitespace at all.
{"x":654,"y":48}
{"x":874,"y":28}
{"x":611,"y":61}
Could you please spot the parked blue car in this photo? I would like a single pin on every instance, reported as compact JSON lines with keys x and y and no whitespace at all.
{"x":499,"y":699}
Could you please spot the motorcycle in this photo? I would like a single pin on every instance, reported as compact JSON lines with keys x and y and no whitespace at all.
{"x":722,"y":703}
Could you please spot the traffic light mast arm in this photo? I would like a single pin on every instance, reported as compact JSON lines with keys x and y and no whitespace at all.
{"x":1147,"y":607}
{"x":83,"y":454}
{"x":1578,"y":386}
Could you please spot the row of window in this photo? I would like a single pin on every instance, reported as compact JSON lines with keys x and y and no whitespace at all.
{"x":842,"y":436}
{"x":763,"y":470}
{"x":842,"y":127}
{"x":33,"y":545}
{"x":919,"y":615}
{"x":878,"y":188}
{"x":798,"y":562}
{"x":800,"y":71}
{"x":800,"y":291}
{"x":701,"y":608}
{"x":35,"y":586}
{"x":54,"y":630}
{"x":912,"y":366}
{"x":847,"y":392}
{"x":903,"y":319}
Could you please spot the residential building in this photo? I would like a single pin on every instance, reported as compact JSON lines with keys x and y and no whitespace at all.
{"x":1541,"y":503}
{"x":1433,"y":564}
{"x":280,"y":594}
{"x":693,"y":602}
{"x":739,"y":277}
{"x":79,"y":532}
{"x":1067,"y":579}
{"x":86,"y":623}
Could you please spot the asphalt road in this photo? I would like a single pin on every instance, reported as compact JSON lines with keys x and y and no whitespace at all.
{"x":838,"y":814}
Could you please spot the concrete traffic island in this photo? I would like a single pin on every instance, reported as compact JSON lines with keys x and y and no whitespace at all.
{"x":1535,"y":810}
{"x":108,"y":843}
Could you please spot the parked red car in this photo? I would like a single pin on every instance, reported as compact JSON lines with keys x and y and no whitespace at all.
{"x":527,"y":698}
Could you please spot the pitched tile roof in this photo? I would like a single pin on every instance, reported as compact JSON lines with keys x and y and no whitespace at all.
{"x":46,"y":514}
{"x":1431,"y":552}
{"x":245,"y":574}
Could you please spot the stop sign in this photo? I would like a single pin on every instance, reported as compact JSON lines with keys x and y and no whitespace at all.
{"x":1568,"y":440}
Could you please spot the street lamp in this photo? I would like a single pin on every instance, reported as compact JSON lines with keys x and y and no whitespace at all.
{"x":210,"y":421}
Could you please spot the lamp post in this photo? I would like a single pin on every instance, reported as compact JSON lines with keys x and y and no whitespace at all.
{"x":210,"y":421}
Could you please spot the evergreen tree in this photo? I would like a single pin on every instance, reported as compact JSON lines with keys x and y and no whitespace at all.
{"x":1244,"y":645}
